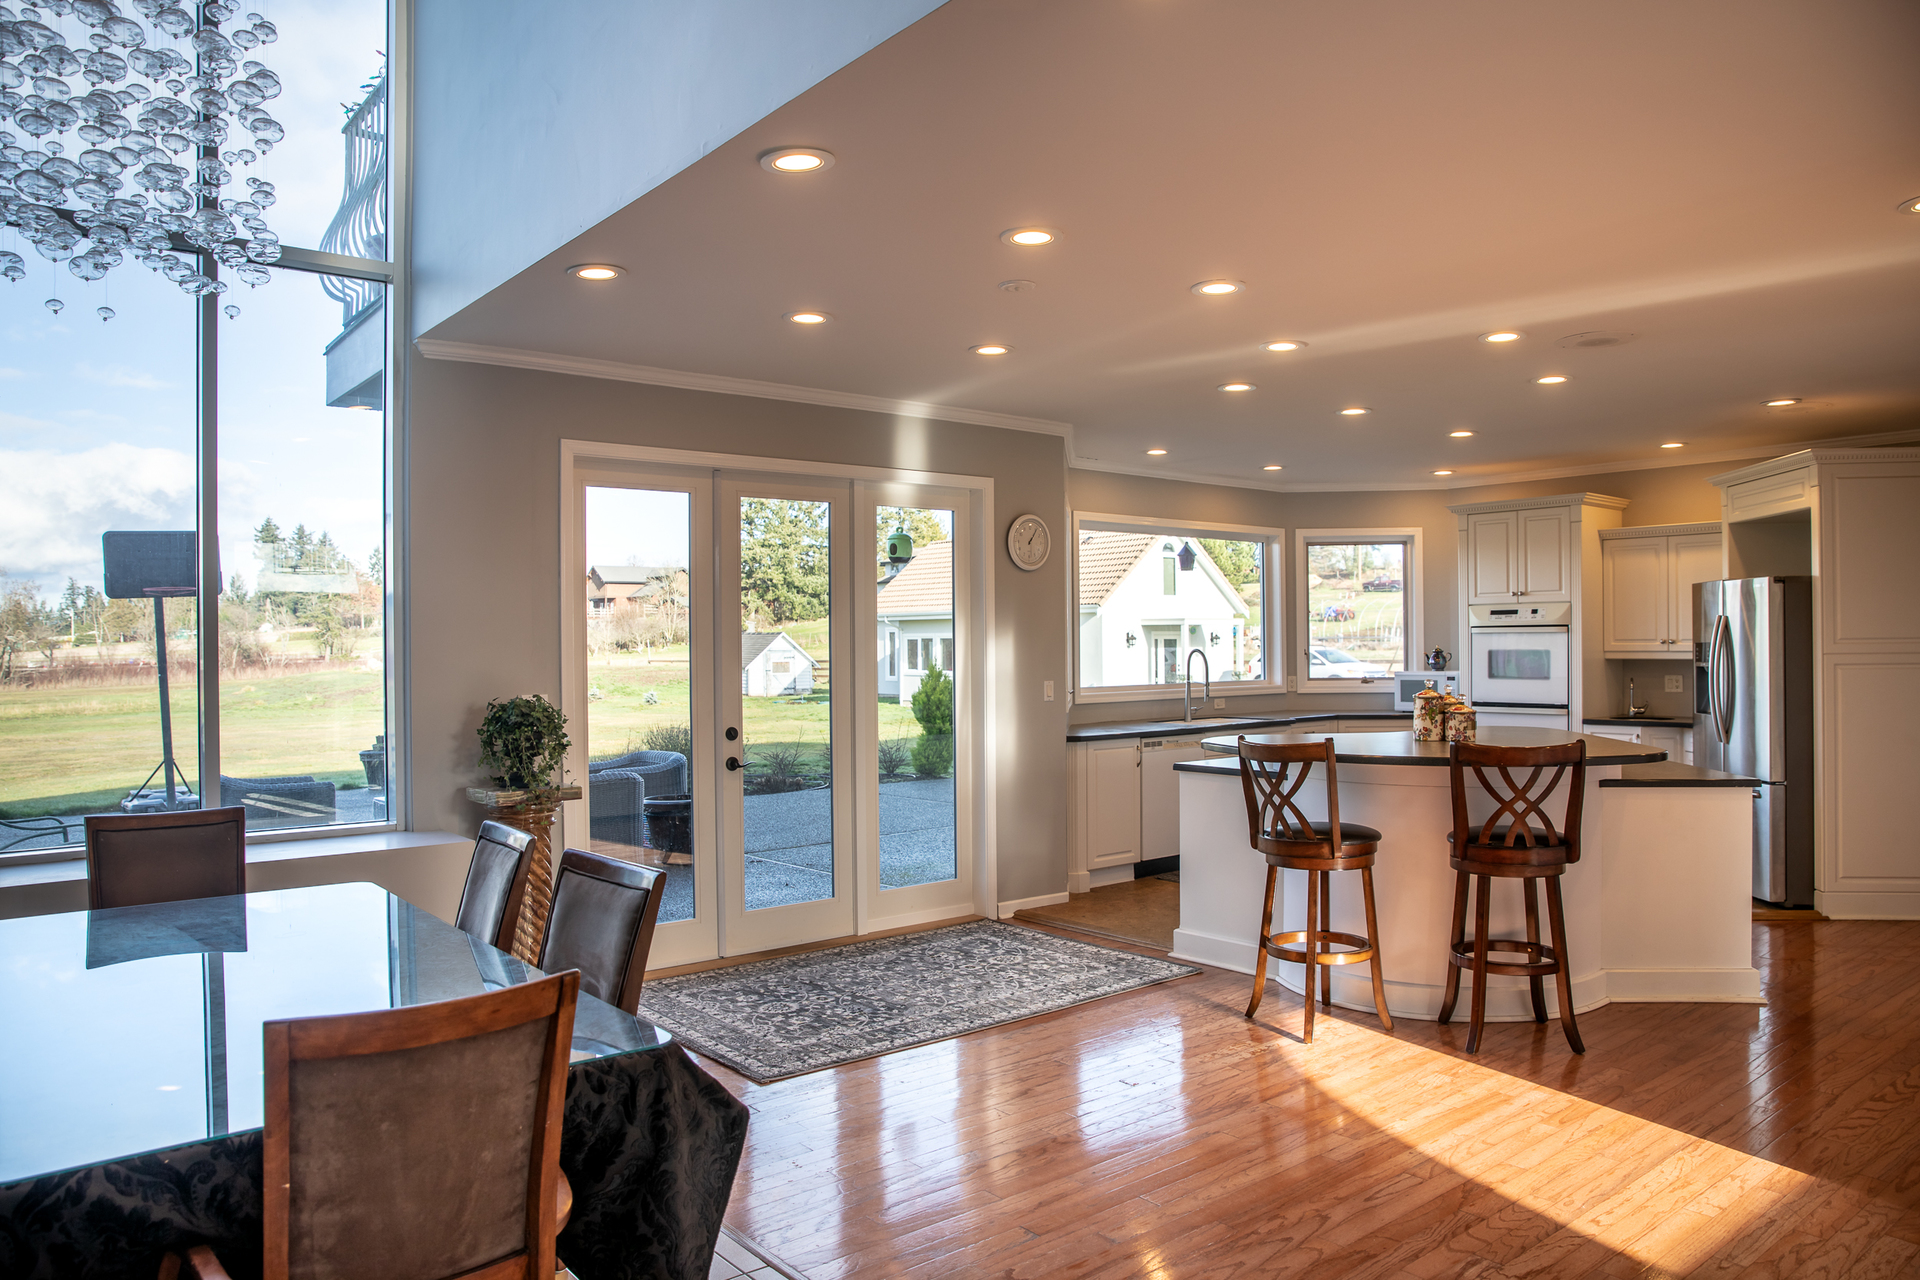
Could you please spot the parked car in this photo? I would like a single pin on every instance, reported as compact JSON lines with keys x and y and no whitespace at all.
{"x":1327,"y":663}
{"x":1381,"y":583}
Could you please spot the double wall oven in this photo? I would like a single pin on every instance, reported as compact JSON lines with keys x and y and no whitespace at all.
{"x":1517,"y":668}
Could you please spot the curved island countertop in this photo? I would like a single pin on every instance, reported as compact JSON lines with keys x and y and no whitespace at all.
{"x":1401,"y":747}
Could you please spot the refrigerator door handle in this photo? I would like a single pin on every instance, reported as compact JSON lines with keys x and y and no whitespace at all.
{"x":1720,"y":687}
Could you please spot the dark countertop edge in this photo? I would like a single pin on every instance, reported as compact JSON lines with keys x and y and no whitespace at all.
{"x":1628,"y":720}
{"x":1673,"y":773}
{"x":1180,"y":728}
{"x":1227,"y":762}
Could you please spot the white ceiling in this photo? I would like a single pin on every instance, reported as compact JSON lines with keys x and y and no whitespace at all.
{"x":1719,"y":178}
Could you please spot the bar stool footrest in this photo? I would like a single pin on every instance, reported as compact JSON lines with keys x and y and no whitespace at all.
{"x":1545,"y":964}
{"x":1362,"y":950}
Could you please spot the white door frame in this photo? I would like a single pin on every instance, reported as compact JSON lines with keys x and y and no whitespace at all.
{"x":645,"y":466}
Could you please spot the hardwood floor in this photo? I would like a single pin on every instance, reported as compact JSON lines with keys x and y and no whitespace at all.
{"x":1159,"y":1134}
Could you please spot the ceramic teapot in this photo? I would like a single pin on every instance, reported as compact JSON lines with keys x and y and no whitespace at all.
{"x":1438,"y":658}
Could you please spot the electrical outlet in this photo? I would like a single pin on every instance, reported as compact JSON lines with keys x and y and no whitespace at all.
{"x":1046,"y":690}
{"x":1219,"y":704}
{"x":1673,"y":684}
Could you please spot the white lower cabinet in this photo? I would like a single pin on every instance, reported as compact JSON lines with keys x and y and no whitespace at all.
{"x":1125,"y":806}
{"x":1675,"y":740}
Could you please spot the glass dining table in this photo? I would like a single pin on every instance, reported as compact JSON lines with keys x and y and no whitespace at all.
{"x":131,"y":1086}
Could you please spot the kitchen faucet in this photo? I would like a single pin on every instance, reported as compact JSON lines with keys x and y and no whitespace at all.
{"x":1206,"y":679}
{"x":1632,"y":710}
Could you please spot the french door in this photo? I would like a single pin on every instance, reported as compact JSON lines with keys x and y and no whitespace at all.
{"x":773,"y":693}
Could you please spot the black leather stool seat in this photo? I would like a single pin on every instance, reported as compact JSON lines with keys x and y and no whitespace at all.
{"x":1351,"y":833}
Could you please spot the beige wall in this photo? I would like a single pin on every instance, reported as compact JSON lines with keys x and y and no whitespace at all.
{"x":1660,"y":495}
{"x":483,"y":594}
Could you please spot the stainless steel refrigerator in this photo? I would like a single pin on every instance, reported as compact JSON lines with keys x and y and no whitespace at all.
{"x":1753,"y":715}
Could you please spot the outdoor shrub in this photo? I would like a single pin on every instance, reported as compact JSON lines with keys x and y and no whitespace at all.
{"x":933,"y":755}
{"x":668,"y":737}
{"x":894,"y":755}
{"x":779,"y":768}
{"x":524,"y":741}
{"x":933,"y":703}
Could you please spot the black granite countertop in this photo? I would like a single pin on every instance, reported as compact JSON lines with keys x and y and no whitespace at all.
{"x":1672,"y":773}
{"x":1670,"y":721}
{"x":1404,"y":748}
{"x":1223,"y":724}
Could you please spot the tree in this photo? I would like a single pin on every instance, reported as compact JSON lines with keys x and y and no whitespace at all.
{"x":933,"y":708}
{"x":922,"y":525}
{"x":24,"y":624}
{"x":1239,"y":562}
{"x":124,"y":620}
{"x":784,"y":561}
{"x":331,"y":631}
{"x":298,"y":547}
{"x":267,"y":531}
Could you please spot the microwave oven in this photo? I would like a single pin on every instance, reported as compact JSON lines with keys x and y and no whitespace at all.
{"x":1407,"y":683}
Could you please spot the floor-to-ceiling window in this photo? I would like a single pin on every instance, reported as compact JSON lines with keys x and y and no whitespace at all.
{"x":194,"y":427}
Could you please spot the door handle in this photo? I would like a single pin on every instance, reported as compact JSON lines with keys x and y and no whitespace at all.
{"x":1721,"y":690}
{"x":733,"y":764}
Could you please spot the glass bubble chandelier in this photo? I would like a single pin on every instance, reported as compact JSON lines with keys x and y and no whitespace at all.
{"x":131,"y":139}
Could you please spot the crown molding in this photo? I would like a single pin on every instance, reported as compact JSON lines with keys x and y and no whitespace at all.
{"x":1657,"y":531}
{"x":620,"y":371}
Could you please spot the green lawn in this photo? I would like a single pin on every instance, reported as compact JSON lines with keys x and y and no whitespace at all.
{"x":80,"y":749}
{"x":1374,"y":635}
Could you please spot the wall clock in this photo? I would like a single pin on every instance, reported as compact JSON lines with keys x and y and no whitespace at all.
{"x":1028,"y":542}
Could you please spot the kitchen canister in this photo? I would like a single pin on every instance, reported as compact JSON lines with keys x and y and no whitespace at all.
{"x":1462,"y":723}
{"x":1429,"y":715}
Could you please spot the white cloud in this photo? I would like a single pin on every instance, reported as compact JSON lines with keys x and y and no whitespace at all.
{"x":120,"y":375}
{"x":12,"y":373}
{"x":14,"y":422}
{"x":58,"y":504}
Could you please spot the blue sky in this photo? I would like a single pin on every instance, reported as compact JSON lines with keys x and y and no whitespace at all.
{"x":97,"y":420}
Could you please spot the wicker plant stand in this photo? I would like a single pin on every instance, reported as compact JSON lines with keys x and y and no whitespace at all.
{"x":535,"y":817}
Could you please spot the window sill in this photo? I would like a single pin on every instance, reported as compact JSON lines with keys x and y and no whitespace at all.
{"x":73,"y":866}
{"x":1169,"y":692}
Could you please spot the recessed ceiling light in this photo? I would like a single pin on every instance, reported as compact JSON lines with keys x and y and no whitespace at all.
{"x":1216,"y":288}
{"x":1551,"y":379}
{"x":1443,"y":473}
{"x":1910,"y":206}
{"x":1017,"y":286}
{"x":796,"y":160}
{"x":1288,"y":345}
{"x":1783,"y":402}
{"x":1676,"y":444}
{"x":1156,"y":453}
{"x":596,"y":271}
{"x":1353,"y":413}
{"x":808,"y":317}
{"x":1502,"y":335}
{"x":990,"y":349}
{"x":1236,"y":386}
{"x":1271,"y":467}
{"x":1459,"y":435}
{"x":1029,"y":237}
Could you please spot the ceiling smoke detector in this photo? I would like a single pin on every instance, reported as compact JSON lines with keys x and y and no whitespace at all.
{"x":1597,"y":338}
{"x":1017,"y":286}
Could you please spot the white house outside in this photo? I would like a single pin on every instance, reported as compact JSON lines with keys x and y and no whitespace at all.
{"x":916,"y":621}
{"x":1147,"y":600}
{"x":773,"y":665}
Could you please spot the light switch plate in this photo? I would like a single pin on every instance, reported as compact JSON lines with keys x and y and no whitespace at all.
{"x":1219,"y":704}
{"x":1046,"y":690}
{"x":1673,"y":684}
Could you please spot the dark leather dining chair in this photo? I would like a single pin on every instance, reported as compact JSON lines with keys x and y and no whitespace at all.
{"x":137,"y":858}
{"x":602,"y":924}
{"x":496,"y":884}
{"x":422,"y":1141}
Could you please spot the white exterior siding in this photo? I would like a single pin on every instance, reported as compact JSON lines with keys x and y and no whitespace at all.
{"x":1203,"y":612}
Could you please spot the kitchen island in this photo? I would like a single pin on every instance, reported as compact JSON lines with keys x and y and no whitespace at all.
{"x":1658,"y":908}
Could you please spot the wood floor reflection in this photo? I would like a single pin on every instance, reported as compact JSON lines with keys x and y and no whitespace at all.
{"x":1159,"y":1134}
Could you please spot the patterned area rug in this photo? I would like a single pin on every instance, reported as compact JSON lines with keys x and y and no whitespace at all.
{"x":785,"y":1017}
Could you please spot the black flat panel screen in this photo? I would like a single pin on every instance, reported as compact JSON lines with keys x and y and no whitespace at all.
{"x":149,"y":563}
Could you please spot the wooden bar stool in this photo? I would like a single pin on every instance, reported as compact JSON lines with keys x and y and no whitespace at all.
{"x":1510,"y":846}
{"x":1277,"y":828}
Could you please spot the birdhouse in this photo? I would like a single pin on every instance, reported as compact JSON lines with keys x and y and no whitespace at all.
{"x":1186,"y":556}
{"x":899,"y":547}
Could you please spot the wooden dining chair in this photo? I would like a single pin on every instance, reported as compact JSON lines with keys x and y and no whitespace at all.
{"x":496,"y":884}
{"x":137,"y":858}
{"x":602,"y":924}
{"x":422,"y":1141}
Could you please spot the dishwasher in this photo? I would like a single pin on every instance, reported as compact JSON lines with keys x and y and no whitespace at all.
{"x":1160,"y":794}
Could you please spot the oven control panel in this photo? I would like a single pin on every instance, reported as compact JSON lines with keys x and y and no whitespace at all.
{"x":1559,"y":614}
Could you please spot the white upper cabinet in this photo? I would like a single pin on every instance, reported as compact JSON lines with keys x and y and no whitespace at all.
{"x":1646,"y":588}
{"x":1513,"y":555}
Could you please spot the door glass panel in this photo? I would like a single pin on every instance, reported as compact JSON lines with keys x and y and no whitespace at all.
{"x":639,"y":682}
{"x":786,"y":716}
{"x":914,"y":565}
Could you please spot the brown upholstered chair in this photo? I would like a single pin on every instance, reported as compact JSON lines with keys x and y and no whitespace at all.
{"x":1277,"y":828}
{"x":422,"y":1141}
{"x":602,"y":924}
{"x":1518,"y":841}
{"x":496,"y":884}
{"x":137,"y":858}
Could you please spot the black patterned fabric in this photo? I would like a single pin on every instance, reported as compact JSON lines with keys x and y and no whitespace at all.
{"x":650,"y":1143}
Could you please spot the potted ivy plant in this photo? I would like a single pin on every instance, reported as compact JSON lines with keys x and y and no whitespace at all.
{"x":523,"y":746}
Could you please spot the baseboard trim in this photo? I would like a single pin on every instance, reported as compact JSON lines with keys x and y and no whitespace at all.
{"x":1021,"y":904}
{"x":1867,"y":906}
